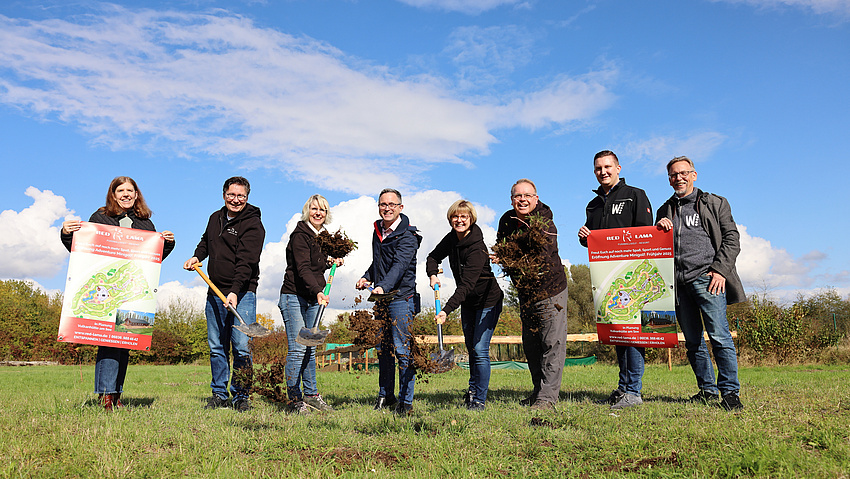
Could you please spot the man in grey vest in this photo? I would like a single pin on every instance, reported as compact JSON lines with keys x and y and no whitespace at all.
{"x":706,"y":244}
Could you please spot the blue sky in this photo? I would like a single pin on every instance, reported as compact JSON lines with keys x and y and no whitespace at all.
{"x":441,"y":99}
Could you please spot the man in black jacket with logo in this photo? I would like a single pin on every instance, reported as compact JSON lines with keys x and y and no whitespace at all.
{"x":233,"y":242}
{"x":618,"y":205}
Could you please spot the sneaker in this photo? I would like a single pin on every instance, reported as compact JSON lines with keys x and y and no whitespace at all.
{"x":242,"y":405}
{"x":468,"y":397}
{"x":731,"y":402}
{"x":475,"y":405}
{"x":404,"y":409}
{"x":216,"y":402}
{"x":543,"y":405}
{"x":318,"y":403}
{"x":615,"y":396}
{"x":704,"y":397}
{"x":627,"y":400}
{"x":298,"y":406}
{"x":529,"y":400}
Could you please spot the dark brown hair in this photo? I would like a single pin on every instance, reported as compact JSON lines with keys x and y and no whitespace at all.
{"x":140,"y":207}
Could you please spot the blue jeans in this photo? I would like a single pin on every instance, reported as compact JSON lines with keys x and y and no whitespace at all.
{"x":478,"y":326}
{"x":298,"y":312}
{"x":110,"y":370}
{"x":396,"y":344}
{"x":693,"y":298}
{"x":631,"y":361}
{"x":222,"y":338}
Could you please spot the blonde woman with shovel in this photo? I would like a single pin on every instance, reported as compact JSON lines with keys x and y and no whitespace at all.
{"x":301,"y":295}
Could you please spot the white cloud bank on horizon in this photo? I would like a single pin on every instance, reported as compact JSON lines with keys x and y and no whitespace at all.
{"x":30,"y":245}
{"x":655,"y":152}
{"x":216,"y":84}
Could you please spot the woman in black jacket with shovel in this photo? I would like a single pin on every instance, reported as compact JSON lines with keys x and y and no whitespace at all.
{"x":477,"y":293}
{"x":300,"y":297}
{"x":125,"y":207}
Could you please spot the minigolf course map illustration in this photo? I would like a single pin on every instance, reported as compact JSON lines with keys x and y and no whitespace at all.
{"x":110,"y":287}
{"x":628,"y":288}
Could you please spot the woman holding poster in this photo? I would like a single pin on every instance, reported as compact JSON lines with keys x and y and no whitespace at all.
{"x":477,"y":294}
{"x":125,"y":207}
{"x":300,"y":296}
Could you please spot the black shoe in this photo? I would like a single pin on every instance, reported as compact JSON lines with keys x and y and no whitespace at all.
{"x":216,"y":402}
{"x":383,"y":402}
{"x":404,"y":409}
{"x":468,"y":397}
{"x":731,"y":402}
{"x":529,"y":400}
{"x":242,"y":405}
{"x":615,"y":396}
{"x":475,"y":405}
{"x":704,"y":397}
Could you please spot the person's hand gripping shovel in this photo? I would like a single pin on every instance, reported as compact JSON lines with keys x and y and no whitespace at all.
{"x":254,"y":330}
{"x":312,"y":337}
{"x":444,"y":360}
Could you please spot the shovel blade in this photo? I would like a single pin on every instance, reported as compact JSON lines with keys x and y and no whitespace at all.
{"x":255,"y":330}
{"x":444,"y":360}
{"x":382,"y":296}
{"x":311,"y":338}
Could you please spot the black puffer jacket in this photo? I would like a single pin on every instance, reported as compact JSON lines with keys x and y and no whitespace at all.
{"x":470,"y":263}
{"x":305,"y":264}
{"x":624,"y":207}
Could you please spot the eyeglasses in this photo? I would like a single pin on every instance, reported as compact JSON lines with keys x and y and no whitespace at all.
{"x":233,"y":196}
{"x":460,"y":217}
{"x":384,"y":206}
{"x":523,"y":196}
{"x":681,"y":174}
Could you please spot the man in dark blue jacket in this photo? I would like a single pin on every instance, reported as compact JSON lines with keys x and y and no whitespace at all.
{"x":393,"y":268}
{"x":618,"y":205}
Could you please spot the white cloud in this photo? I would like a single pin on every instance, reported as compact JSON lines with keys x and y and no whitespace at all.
{"x":840,"y":7}
{"x":484,"y":56}
{"x":763,"y":266}
{"x":472,"y":7}
{"x":657,"y":151}
{"x":216,"y":84}
{"x":30,"y":245}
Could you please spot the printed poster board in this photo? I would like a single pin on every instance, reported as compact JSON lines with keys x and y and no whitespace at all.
{"x":631,"y":272}
{"x":110,"y":292}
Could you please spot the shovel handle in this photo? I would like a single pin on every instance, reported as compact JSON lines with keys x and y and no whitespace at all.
{"x":326,"y":292}
{"x":197,"y":267}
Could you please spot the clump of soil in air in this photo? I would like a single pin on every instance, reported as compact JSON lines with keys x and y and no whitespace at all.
{"x":270,"y":381}
{"x":522,"y":256}
{"x":336,"y":245}
{"x":367,"y":327}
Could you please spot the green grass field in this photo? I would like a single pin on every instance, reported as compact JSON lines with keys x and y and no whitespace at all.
{"x":796,"y":424}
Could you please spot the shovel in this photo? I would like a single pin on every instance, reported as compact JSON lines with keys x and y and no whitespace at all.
{"x":312,"y":337}
{"x":255,"y":330}
{"x":445,"y":360}
{"x":375,"y":297}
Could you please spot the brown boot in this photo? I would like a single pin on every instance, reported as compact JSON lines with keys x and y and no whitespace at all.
{"x":107,"y":402}
{"x":116,"y":401}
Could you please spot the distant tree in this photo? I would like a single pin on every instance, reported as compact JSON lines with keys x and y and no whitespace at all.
{"x":265,"y":320}
{"x":581,"y":315}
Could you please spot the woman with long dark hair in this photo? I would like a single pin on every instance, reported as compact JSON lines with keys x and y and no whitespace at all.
{"x":125,"y":207}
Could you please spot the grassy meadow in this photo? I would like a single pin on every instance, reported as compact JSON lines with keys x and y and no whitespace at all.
{"x":796,"y":424}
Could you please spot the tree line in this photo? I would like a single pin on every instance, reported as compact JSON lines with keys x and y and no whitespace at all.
{"x":767,"y":331}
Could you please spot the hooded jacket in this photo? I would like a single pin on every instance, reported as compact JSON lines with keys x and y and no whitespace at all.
{"x":233,"y":248}
{"x":470,"y":263}
{"x":394,"y":259}
{"x":716,"y":219}
{"x":554,"y":279}
{"x":624,"y":207}
{"x":104,"y":219}
{"x":305,"y":264}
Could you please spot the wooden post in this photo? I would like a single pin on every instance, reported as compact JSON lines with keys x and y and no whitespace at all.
{"x":669,"y":359}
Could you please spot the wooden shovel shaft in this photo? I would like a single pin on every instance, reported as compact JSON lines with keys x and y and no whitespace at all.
{"x":197,"y":267}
